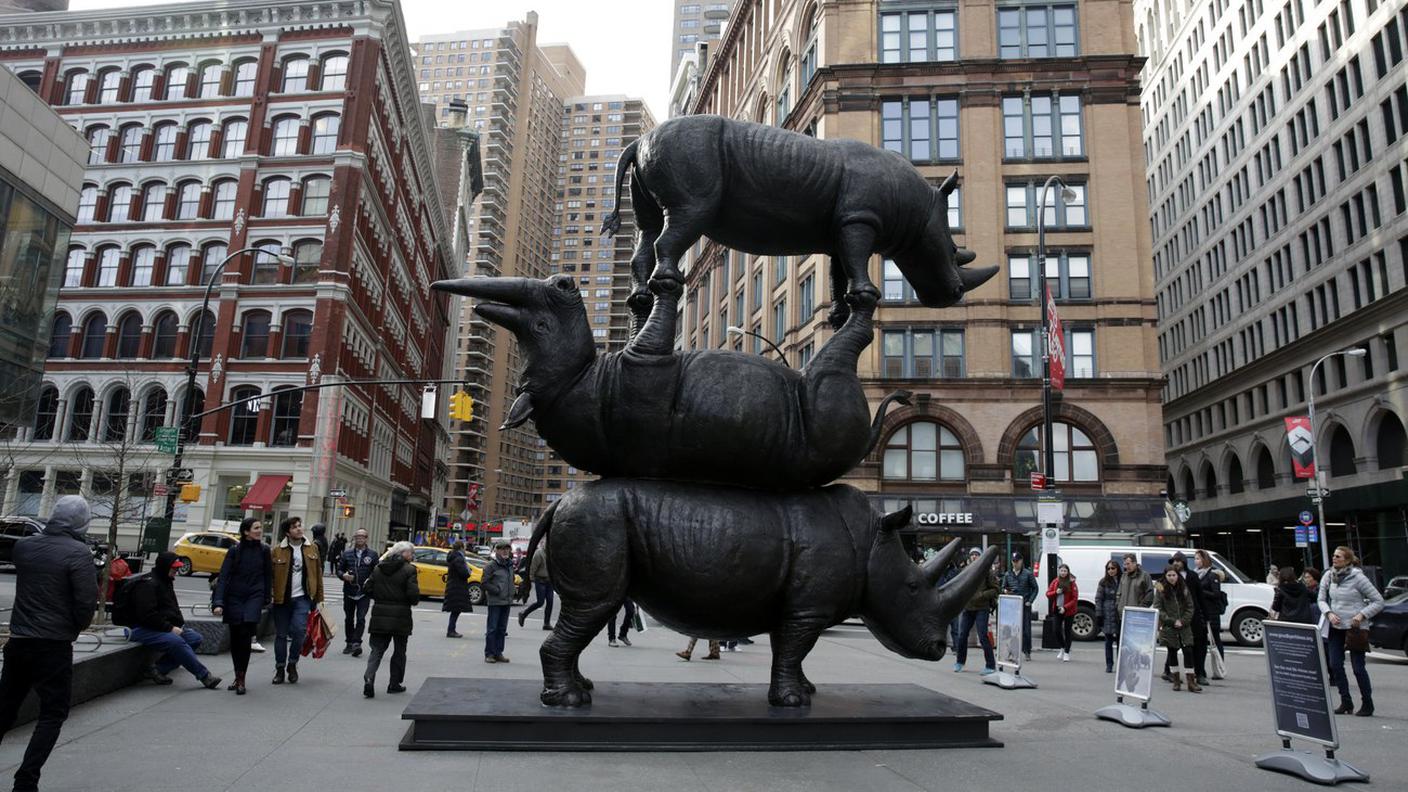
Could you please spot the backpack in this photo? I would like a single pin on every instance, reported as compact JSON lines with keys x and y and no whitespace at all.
{"x":123,"y":613}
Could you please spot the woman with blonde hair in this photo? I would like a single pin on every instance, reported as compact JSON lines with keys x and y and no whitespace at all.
{"x":394,"y":591}
{"x":1349,"y":601}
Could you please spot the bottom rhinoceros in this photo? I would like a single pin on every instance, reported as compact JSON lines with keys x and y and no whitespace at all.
{"x":723,"y":562}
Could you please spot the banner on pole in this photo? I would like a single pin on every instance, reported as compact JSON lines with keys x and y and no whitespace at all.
{"x":1302,"y":446}
{"x":1055,"y":343}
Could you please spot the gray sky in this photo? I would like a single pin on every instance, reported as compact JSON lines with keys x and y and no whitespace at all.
{"x":625,"y":46}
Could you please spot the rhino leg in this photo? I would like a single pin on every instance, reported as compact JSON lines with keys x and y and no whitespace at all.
{"x":857,"y":243}
{"x":657,"y":336}
{"x":563,"y":683}
{"x":840,"y":311}
{"x":682,"y":228}
{"x":791,"y":643}
{"x":642,"y":264}
{"x":841,"y":352}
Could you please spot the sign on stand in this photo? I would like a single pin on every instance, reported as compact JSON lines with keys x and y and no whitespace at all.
{"x":1300,"y":705}
{"x":1009,"y":645}
{"x":1134,"y":671}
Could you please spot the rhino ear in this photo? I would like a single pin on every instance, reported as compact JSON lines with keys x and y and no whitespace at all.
{"x":520,"y":412}
{"x":896,"y":520}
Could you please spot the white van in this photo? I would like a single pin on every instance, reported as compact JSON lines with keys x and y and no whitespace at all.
{"x":1248,"y":600}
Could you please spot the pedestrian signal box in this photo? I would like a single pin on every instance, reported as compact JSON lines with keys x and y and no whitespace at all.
{"x":349,"y":511}
{"x":190,"y":493}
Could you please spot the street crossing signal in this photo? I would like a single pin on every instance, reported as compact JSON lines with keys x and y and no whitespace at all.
{"x":349,"y":511}
{"x":462,"y":406}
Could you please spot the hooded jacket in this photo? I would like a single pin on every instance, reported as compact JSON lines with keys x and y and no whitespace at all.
{"x":56,"y":591}
{"x":1295,"y":603}
{"x":395,"y":590}
{"x":154,"y":598}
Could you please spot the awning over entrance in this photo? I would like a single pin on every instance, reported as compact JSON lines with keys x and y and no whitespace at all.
{"x":264,"y":492}
{"x":1086,"y":516}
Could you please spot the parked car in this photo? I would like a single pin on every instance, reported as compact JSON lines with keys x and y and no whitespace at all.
{"x":204,"y":551}
{"x":1248,"y":601}
{"x":13,"y":529}
{"x":433,"y":569}
{"x":1390,"y":627}
{"x":1396,"y":586}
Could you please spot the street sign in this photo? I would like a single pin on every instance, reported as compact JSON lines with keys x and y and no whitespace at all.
{"x":1306,"y":518}
{"x":1314,"y":532}
{"x":166,"y":438}
{"x":337,"y":492}
{"x":1050,"y":541}
{"x":1302,"y":536}
{"x":180,"y":475}
{"x":159,"y":490}
{"x":1050,"y":513}
{"x":1038,"y":481}
{"x":1314,"y":492}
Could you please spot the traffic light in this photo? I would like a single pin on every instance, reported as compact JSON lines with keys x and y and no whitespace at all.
{"x":190,"y":493}
{"x":349,"y":511}
{"x":462,"y":406}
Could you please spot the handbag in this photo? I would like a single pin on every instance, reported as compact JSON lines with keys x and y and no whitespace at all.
{"x":317,"y":636}
{"x":1356,"y":639}
{"x":1050,"y":633}
{"x":1219,"y":664}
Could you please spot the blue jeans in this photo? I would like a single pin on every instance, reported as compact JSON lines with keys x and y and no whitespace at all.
{"x":496,"y":630}
{"x":979,"y":619}
{"x":177,"y":650}
{"x":290,"y":623}
{"x":1334,"y":648}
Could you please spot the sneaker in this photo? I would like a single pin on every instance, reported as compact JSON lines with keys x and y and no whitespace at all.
{"x":625,"y":640}
{"x":210,"y":681}
{"x":395,"y":688}
{"x":357,"y":650}
{"x":453,"y":635}
{"x":1109,"y":669}
{"x":612,"y":643}
{"x":490,"y":659}
{"x":156,"y":677}
{"x":500,"y":659}
{"x":1202,"y":680}
{"x":547,"y":627}
{"x":1065,"y":657}
{"x":255,"y":646}
{"x":1027,"y":656}
{"x":987,"y":672}
{"x":957,"y":667}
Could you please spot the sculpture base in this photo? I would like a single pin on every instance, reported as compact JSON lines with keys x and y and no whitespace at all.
{"x":1008,"y":681}
{"x":504,"y":714}
{"x":1311,"y":767}
{"x":1132,"y":716}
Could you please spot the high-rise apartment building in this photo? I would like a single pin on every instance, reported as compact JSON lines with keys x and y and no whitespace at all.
{"x":696,"y":21}
{"x":1275,"y":138}
{"x":1007,"y":94}
{"x":284,"y":137}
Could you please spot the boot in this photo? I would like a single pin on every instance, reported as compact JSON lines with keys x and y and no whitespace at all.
{"x":292,"y":674}
{"x":1193,"y":686}
{"x":683,"y":655}
{"x":1366,"y":708}
{"x":278,"y":675}
{"x":1346,"y":706}
{"x":1177,"y":682}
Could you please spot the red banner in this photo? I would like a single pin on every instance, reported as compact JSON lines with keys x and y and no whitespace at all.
{"x":1055,"y":343}
{"x":1302,"y":446}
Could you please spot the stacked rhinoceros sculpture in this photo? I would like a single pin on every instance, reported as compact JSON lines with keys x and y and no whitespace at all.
{"x":714,"y":514}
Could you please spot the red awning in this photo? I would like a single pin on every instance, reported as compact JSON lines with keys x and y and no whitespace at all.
{"x":264,"y":492}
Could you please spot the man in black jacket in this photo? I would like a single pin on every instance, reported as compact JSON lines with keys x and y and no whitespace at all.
{"x":56,"y":592}
{"x":355,"y":567}
{"x":159,"y":624}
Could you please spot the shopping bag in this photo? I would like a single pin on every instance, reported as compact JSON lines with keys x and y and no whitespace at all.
{"x":1050,"y":633}
{"x":315,"y":637}
{"x":329,"y":626}
{"x":638,"y":622}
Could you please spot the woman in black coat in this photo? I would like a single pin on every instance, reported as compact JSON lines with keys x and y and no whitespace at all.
{"x":242,"y":592}
{"x":456,"y":589}
{"x":394,"y":591}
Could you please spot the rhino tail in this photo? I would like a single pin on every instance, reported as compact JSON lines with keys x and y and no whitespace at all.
{"x":612,"y":223}
{"x":876,"y":425}
{"x":540,"y":531}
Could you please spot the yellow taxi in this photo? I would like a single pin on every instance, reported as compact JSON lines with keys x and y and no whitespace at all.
{"x":204,"y":551}
{"x":433,"y":568}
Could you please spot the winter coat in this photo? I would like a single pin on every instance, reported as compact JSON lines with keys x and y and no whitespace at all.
{"x":457,"y":585}
{"x":394,"y":591}
{"x":359,"y":564}
{"x":56,"y":590}
{"x":1022,"y":584}
{"x":154,"y":601}
{"x":1294,"y":603}
{"x":1107,"y":607}
{"x":1136,"y":590}
{"x":1173,"y":609}
{"x":985,"y":595}
{"x":538,"y":567}
{"x":244,"y":587}
{"x":283,"y":572}
{"x":1210,"y":592}
{"x":1068,"y":603}
{"x":1346,"y":594}
{"x":498,"y":582}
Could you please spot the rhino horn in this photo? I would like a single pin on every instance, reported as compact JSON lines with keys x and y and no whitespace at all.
{"x":513,"y":291}
{"x":935,"y":566}
{"x":973,"y":278}
{"x":956,"y":593}
{"x":896,"y":520}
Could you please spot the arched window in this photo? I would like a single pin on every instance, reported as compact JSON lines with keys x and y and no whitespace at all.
{"x":143,"y":79}
{"x":1210,"y":481}
{"x":244,"y":418}
{"x":288,"y":403}
{"x":1341,"y":453}
{"x":784,"y":88}
{"x":120,"y":203}
{"x":153,"y":414}
{"x":298,"y":329}
{"x":316,"y":190}
{"x":76,"y":87}
{"x":254,"y":335}
{"x":143,"y":265}
{"x":235,"y":137}
{"x":285,"y":137}
{"x":164,"y":332}
{"x":154,"y":202}
{"x":295,"y":73}
{"x":210,"y":76}
{"x":130,"y":147}
{"x":109,"y":86}
{"x":211,"y":256}
{"x":325,"y":133}
{"x":1390,"y":441}
{"x":59,"y":333}
{"x":809,"y":50}
{"x":98,"y":138}
{"x":32,"y":79}
{"x":81,"y":415}
{"x":73,"y":268}
{"x":245,"y":72}
{"x":178,"y":265}
{"x":203,"y":333}
{"x":119,"y":408}
{"x":195,"y":403}
{"x":307,"y":256}
{"x":95,"y":332}
{"x":924,"y":451}
{"x":222,"y":205}
{"x":266,"y":262}
{"x":198,"y":141}
{"x":1189,"y":493}
{"x":1265,"y":469}
{"x":129,"y":335}
{"x":1234,"y":475}
{"x":108,"y":259}
{"x":178,"y":77}
{"x":1075,"y":457}
{"x":46,"y":415}
{"x":164,"y":149}
{"x":334,"y":72}
{"x":188,"y":201}
{"x":88,"y":203}
{"x":276,"y":192}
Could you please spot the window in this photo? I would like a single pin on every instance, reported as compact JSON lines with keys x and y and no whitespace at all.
{"x":164,"y":332}
{"x":87,"y":203}
{"x":245,"y":72}
{"x":276,"y":192}
{"x":806,"y":299}
{"x":254,"y":336}
{"x":779,"y":319}
{"x":165,"y":148}
{"x":316,"y":190}
{"x":921,"y":129}
{"x":211,"y":257}
{"x":1036,"y":31}
{"x":1022,"y":206}
{"x":143,"y":80}
{"x":923,"y":354}
{"x":177,"y":78}
{"x":130,"y":148}
{"x":107,"y":266}
{"x":235,"y":135}
{"x":288,"y":405}
{"x":244,"y":418}
{"x":1042,"y":127}
{"x":1073,"y":455}
{"x":210,"y":75}
{"x":307,"y":256}
{"x":77,"y":88}
{"x":188,"y":201}
{"x":222,"y":206}
{"x":59,"y":334}
{"x":120,"y":203}
{"x":285,"y":137}
{"x":178,"y":265}
{"x":334,"y":72}
{"x":266,"y":262}
{"x":325,"y":133}
{"x":154,"y":202}
{"x":298,"y":330}
{"x":1025,"y":364}
{"x":115,"y":420}
{"x":203,"y":334}
{"x":109,"y":85}
{"x":98,"y":138}
{"x":198,"y":141}
{"x":1080,"y":353}
{"x":295,"y":75}
{"x":916,"y":36}
{"x":46,"y":416}
{"x":1067,"y":273}
{"x":81,"y":416}
{"x":143,"y":265}
{"x":923,"y":451}
{"x":73,"y":268}
{"x":153,"y":414}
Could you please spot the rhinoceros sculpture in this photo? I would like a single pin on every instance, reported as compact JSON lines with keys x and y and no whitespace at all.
{"x":770,"y":191}
{"x":723,"y":562}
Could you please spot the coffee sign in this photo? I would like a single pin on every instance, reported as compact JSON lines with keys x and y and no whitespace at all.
{"x":944,"y":518}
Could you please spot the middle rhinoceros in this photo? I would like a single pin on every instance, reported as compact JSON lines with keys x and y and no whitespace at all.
{"x":651,"y":411}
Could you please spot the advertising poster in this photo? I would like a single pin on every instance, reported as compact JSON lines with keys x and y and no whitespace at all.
{"x":1300,"y":692}
{"x":1134,"y":671}
{"x":1302,"y":446}
{"x":1009,"y":631}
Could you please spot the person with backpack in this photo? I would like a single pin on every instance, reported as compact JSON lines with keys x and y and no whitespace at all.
{"x":242,"y":592}
{"x":395,"y":591}
{"x":147,"y":605}
{"x":1063,"y":596}
{"x":1293,"y":602}
{"x":975,"y":616}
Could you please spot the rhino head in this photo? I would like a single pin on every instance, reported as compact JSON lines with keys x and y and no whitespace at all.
{"x":903,"y":606}
{"x":933,"y":264}
{"x":549,"y":320}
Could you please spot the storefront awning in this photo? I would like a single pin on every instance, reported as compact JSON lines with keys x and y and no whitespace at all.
{"x":1087,"y":516}
{"x":265,"y":491}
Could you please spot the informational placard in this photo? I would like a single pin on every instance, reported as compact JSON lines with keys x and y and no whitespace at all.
{"x":1134,"y":672}
{"x":1009,"y":632}
{"x":1300,"y":688}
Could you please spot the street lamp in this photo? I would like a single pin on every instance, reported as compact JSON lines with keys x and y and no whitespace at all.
{"x":1047,"y":443}
{"x":184,"y":406}
{"x":1314,"y":457}
{"x":735,"y":330}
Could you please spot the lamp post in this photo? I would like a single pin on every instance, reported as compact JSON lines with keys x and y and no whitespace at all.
{"x":1315,"y":457}
{"x":183,"y":407}
{"x":735,"y":330}
{"x":1048,"y":464}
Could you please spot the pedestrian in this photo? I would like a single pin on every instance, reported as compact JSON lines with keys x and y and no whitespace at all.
{"x":1349,"y":602}
{"x":244,"y":590}
{"x":628,"y":614}
{"x":498,"y":595}
{"x":1136,"y":587}
{"x":1198,"y":624}
{"x":1212,"y":602}
{"x":395,"y":589}
{"x":975,"y":614}
{"x":542,"y":586}
{"x":688,"y":650}
{"x":1175,"y":604}
{"x":158,"y":623}
{"x":1311,"y":578}
{"x":320,"y":541}
{"x":56,"y":593}
{"x":1020,"y":581}
{"x":1273,"y":575}
{"x":335,"y":551}
{"x":1107,"y":611}
{"x":456,"y":588}
{"x":1063,"y":596}
{"x":1293,"y":602}
{"x":355,"y":567}
{"x":298,"y":590}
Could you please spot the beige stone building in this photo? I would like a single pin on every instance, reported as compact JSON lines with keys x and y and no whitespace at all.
{"x":1007,"y":94}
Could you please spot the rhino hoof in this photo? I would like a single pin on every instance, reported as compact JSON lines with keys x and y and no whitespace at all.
{"x":571,"y":697}
{"x":666,"y":286}
{"x":838,"y":315}
{"x":863,"y":297}
{"x":584,"y":683}
{"x":808,"y":686}
{"x":789,"y":698}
